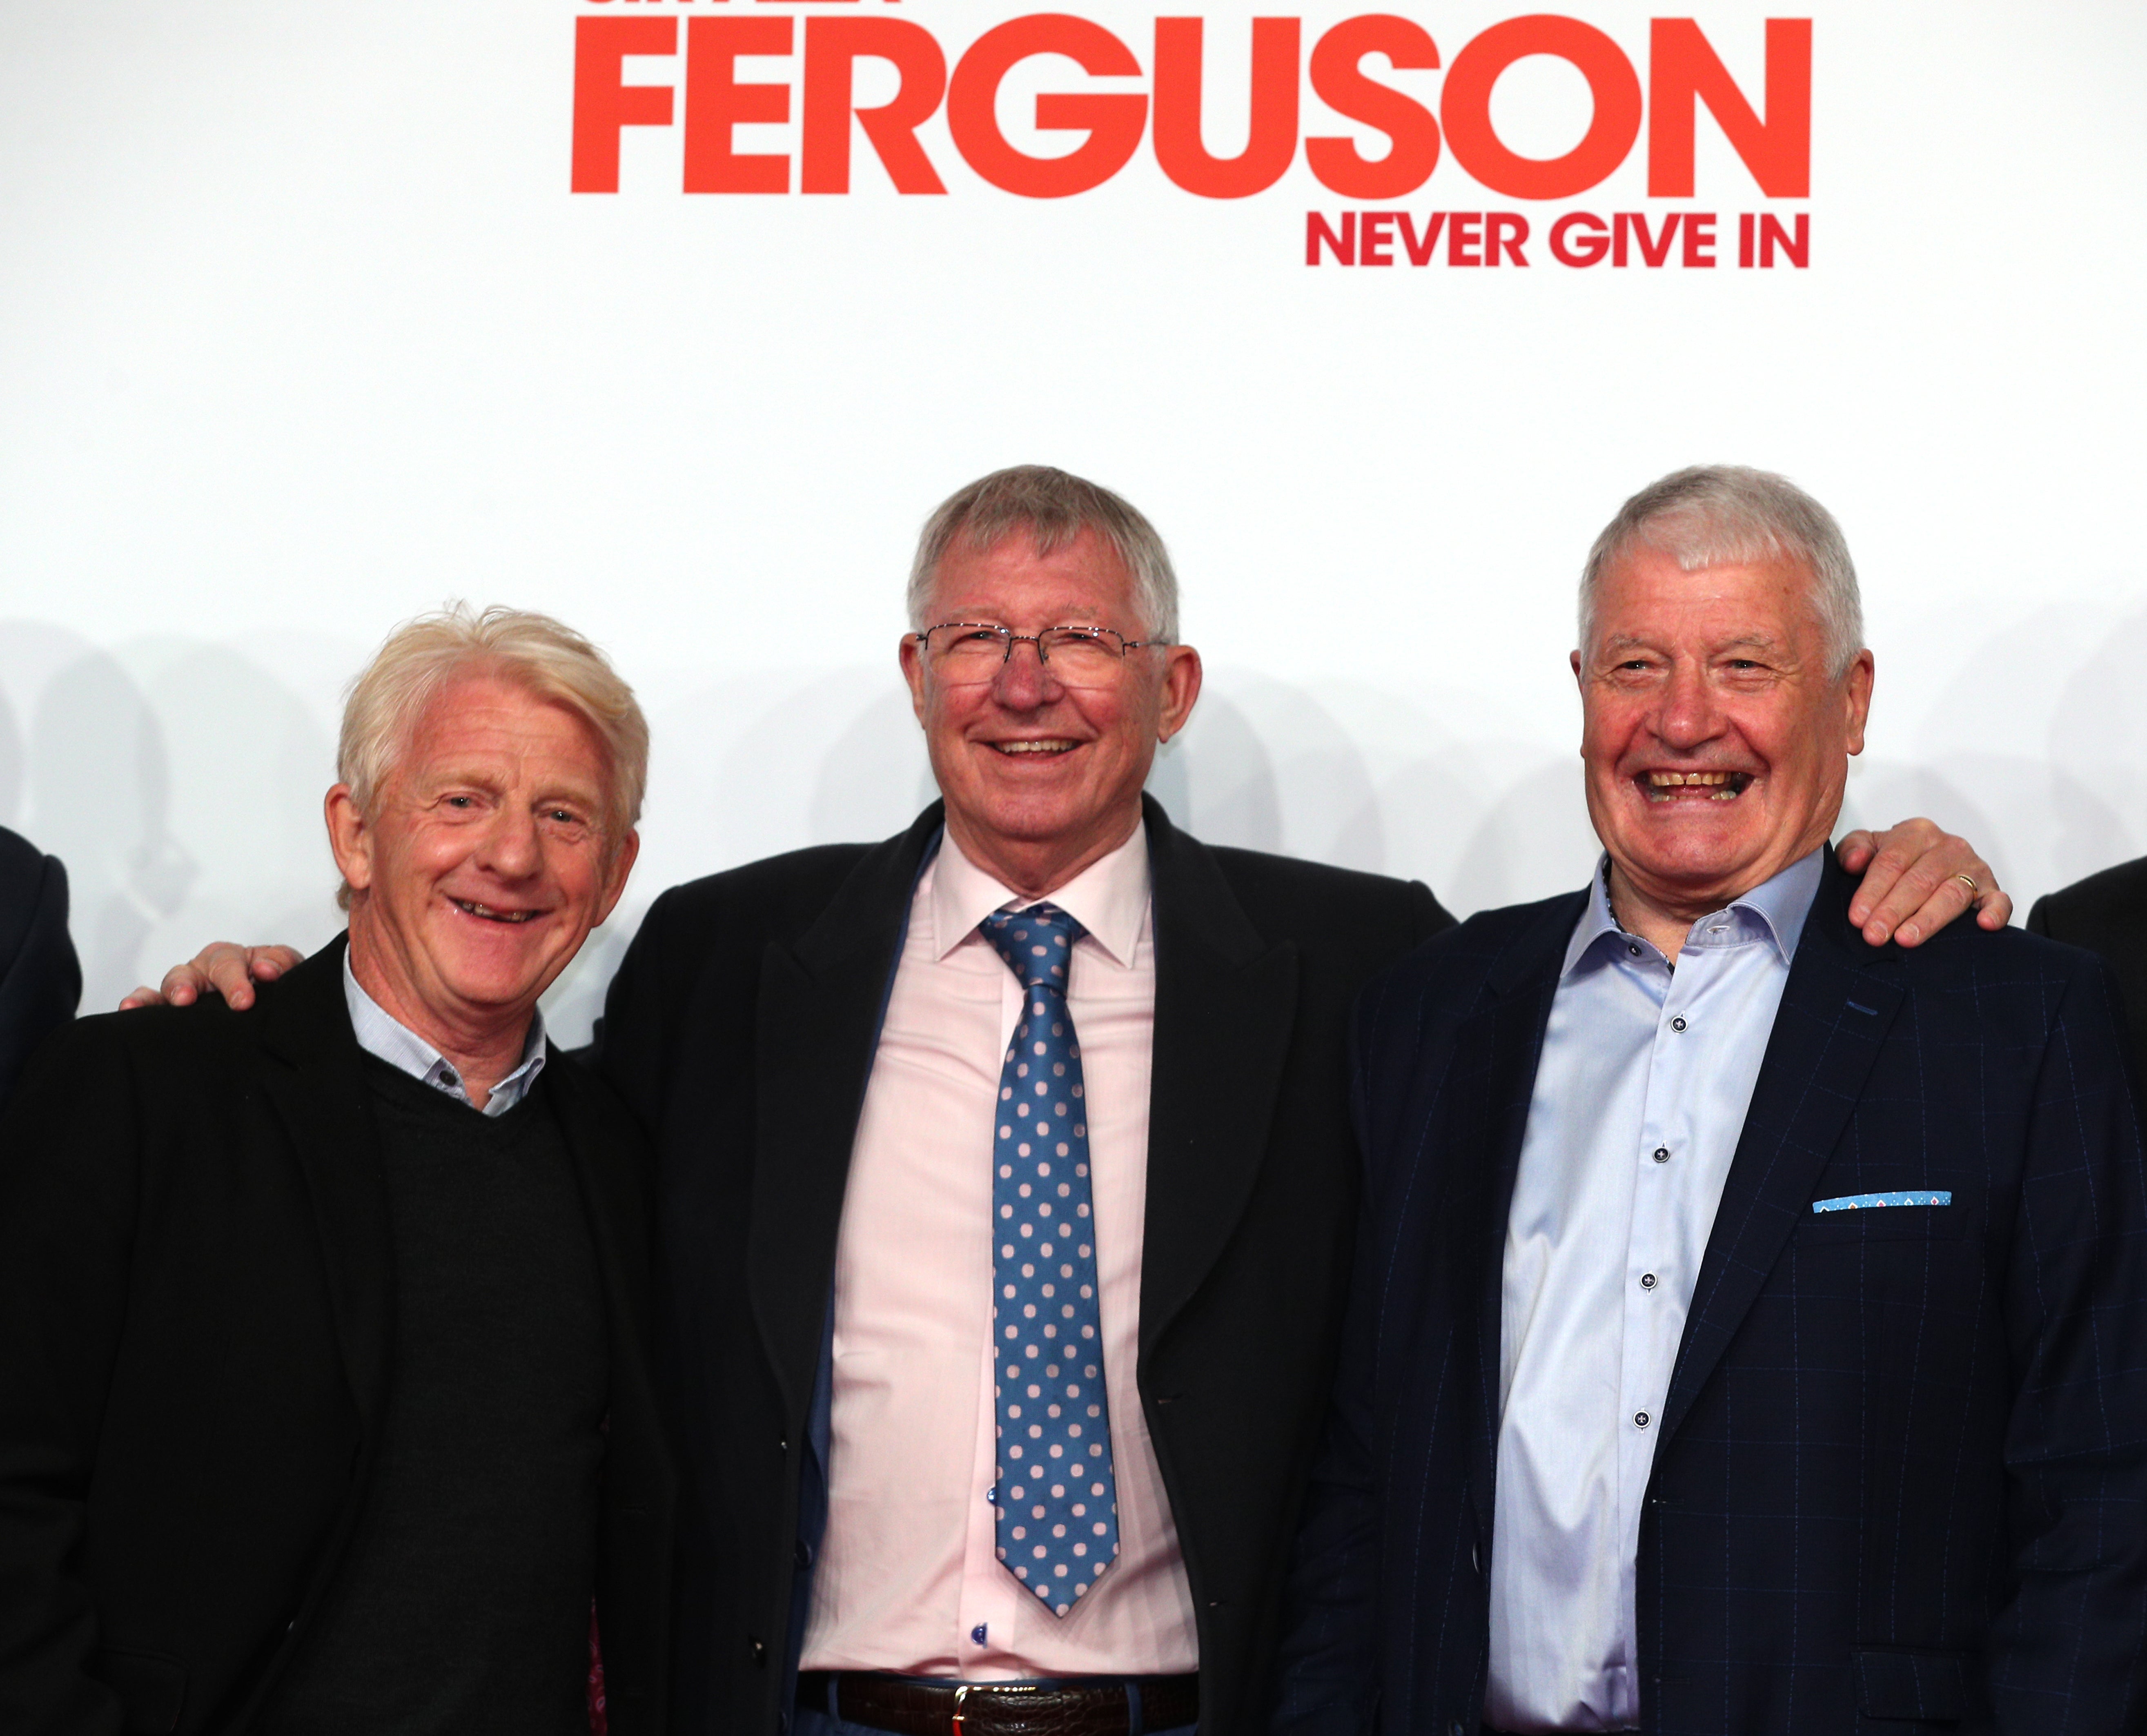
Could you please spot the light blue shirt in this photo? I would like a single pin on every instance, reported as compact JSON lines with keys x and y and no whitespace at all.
{"x":1639,"y":1100}
{"x":381,"y":1034}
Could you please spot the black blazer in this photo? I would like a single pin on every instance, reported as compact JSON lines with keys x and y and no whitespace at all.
{"x":2107,"y":913}
{"x":743,"y":1026}
{"x":195,"y":1347}
{"x":1900,"y":1477}
{"x":40,"y":979}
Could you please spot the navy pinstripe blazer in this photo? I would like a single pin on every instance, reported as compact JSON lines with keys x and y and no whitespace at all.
{"x":1900,"y":1483}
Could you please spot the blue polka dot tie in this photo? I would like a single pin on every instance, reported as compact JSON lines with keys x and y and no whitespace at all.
{"x":1057,"y":1499}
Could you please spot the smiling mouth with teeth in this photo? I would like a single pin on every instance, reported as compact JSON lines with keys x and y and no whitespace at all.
{"x":1693,"y":786}
{"x":470,"y":907}
{"x":1052,"y":747}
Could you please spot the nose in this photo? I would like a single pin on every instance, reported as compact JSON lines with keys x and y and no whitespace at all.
{"x":1688,"y":714}
{"x":512,"y":849}
{"x":1024,"y":680}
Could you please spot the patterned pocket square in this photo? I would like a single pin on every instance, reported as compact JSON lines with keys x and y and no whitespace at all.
{"x":1863,"y":1202}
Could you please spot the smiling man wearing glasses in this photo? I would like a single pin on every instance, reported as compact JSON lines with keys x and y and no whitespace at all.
{"x":1009,"y":1229}
{"x":1007,"y":1186}
{"x":1041,"y":757}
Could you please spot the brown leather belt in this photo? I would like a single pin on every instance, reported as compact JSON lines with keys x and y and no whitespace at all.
{"x":1068,"y":1706}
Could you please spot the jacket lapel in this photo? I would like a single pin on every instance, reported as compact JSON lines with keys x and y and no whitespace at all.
{"x":1837,"y":1008}
{"x":319,"y":1095}
{"x":1225,"y":1005}
{"x":817,"y":1026}
{"x":1507,"y":1031}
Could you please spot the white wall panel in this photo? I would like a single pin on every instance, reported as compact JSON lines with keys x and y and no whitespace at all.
{"x":301,"y":332}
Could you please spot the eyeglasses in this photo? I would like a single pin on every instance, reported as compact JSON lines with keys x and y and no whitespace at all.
{"x":968,"y":653}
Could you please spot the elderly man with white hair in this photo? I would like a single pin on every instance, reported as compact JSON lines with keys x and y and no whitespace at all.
{"x":1749,"y":1330}
{"x":325,"y":1397}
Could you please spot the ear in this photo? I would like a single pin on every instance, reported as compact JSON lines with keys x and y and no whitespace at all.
{"x":350,"y":839}
{"x":622,"y":865}
{"x":1181,"y":688}
{"x":1579,"y":679}
{"x":912,"y":656}
{"x":1856,"y":696}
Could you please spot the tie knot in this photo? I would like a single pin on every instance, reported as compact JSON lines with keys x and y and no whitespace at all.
{"x":1037,"y":943}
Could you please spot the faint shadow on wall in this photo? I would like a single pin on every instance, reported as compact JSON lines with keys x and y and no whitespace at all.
{"x":91,"y":784}
{"x":2047,"y":796}
{"x":876,"y":777}
{"x":184,"y":800}
{"x":250,"y":762}
{"x":1364,"y":779}
{"x":1533,"y":839}
{"x":1266,"y":765}
{"x":2100,"y":727}
{"x":11,"y":761}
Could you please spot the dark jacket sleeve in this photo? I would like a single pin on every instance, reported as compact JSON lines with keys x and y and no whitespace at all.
{"x":1327,"y":1671}
{"x":1328,"y":1666}
{"x":67,"y":1189}
{"x":40,"y":978}
{"x":2039,"y":917}
{"x":2075,"y":1453}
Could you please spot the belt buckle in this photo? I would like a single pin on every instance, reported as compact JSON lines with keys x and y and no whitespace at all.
{"x":963,"y":1689}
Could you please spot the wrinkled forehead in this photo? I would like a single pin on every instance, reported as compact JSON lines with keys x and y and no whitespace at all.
{"x":1043,"y":539}
{"x":492,"y":728}
{"x":1653,"y":597}
{"x":1021,"y":574}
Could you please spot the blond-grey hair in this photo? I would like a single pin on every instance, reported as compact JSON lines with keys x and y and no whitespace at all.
{"x":1716,"y":515}
{"x":545,"y":657}
{"x":1051,"y":508}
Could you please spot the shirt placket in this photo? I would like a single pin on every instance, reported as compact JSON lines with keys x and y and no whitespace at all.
{"x":1662,"y":1167}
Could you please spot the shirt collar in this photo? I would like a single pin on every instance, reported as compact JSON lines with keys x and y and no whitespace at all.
{"x":1778,"y":907}
{"x":1109,"y":897}
{"x":386,"y":1038}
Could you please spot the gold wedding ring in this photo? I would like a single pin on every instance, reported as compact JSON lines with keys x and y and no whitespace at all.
{"x":1974,"y":890}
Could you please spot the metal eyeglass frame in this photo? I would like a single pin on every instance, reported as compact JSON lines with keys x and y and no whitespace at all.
{"x":1011,"y":639}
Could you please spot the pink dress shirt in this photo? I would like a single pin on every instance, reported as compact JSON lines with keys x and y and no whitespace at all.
{"x":906,"y":1579}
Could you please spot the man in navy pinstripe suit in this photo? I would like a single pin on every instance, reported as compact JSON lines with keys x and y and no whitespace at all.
{"x":1749,"y":1327}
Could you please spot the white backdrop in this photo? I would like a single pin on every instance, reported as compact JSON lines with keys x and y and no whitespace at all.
{"x":301,"y":332}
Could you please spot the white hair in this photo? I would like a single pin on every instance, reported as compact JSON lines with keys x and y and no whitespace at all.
{"x":1051,"y":508}
{"x":544,"y":657}
{"x":1715,"y":515}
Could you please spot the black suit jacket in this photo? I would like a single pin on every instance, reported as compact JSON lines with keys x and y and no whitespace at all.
{"x":1899,"y":1481}
{"x":2107,"y":913}
{"x":195,"y":1348}
{"x":742,"y":1025}
{"x":40,"y":979}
